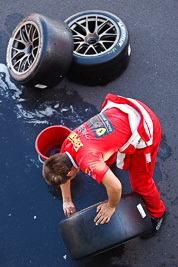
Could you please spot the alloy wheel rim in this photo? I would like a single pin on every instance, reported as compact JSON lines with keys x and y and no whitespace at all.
{"x":24,"y":48}
{"x":94,"y":34}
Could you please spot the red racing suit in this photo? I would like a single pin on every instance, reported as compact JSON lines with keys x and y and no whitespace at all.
{"x":127,"y":129}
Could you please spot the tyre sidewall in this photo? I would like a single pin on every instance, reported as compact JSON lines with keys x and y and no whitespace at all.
{"x":39,"y":22}
{"x":122,"y":43}
{"x":55,"y":53}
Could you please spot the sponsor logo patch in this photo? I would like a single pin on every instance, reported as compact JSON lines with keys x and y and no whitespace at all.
{"x":100,"y":125}
{"x":75,"y":140}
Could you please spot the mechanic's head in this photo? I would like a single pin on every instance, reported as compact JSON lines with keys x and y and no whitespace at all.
{"x":58,"y":169}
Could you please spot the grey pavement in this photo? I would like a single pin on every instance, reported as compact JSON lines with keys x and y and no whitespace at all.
{"x":29,"y":210}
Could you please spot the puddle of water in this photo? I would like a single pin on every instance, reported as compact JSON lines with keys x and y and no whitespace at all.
{"x":43,"y":107}
{"x":28,"y":210}
{"x":26,"y":204}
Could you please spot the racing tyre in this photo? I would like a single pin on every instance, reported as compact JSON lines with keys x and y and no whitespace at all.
{"x":40,"y":51}
{"x":83,"y":238}
{"x":101,"y":47}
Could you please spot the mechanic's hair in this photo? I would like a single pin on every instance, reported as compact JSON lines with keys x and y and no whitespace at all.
{"x":56,"y":168}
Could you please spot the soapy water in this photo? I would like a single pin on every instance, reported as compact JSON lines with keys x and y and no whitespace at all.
{"x":50,"y":107}
{"x":54,"y":149}
{"x":44,"y":107}
{"x":39,"y":109}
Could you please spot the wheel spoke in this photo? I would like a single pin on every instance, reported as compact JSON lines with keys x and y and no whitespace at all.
{"x":16,"y":55}
{"x":87,"y":24}
{"x":106,"y":32}
{"x":83,"y":28}
{"x":94,"y":34}
{"x":20,"y":41}
{"x":25,"y":64}
{"x":108,"y":37}
{"x":23,"y":36}
{"x":30,"y":34}
{"x":80,"y":46}
{"x":19,"y":62}
{"x":91,"y":47}
{"x":100,"y":27}
{"x":102,"y":45}
{"x":27,"y":33}
{"x":22,"y":62}
{"x":33,"y":34}
{"x":25,"y":46}
{"x":77,"y":34}
{"x":34,"y":50}
{"x":35,"y":39}
{"x":86,"y":50}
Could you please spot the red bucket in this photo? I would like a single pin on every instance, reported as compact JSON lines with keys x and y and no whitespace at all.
{"x":50,"y":140}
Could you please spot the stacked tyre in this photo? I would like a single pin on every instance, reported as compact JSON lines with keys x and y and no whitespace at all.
{"x":92,"y":47}
{"x":40,"y":51}
{"x":101,"y":47}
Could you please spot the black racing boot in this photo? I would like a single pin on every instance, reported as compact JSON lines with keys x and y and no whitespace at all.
{"x":156,"y":222}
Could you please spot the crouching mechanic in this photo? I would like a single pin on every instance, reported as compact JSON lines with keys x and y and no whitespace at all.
{"x":125,"y":130}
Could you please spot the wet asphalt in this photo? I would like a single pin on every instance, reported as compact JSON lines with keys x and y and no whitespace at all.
{"x":30,"y":210}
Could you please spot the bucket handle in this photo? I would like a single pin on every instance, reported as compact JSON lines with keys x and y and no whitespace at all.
{"x":40,"y":159}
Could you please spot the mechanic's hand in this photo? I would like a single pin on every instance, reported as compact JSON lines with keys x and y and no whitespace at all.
{"x":68,"y":208}
{"x":104,"y":214}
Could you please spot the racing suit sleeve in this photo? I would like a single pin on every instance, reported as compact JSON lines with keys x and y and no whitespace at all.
{"x":93,"y":165}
